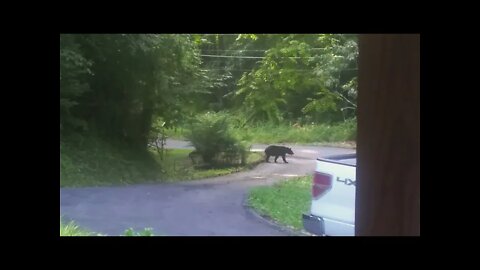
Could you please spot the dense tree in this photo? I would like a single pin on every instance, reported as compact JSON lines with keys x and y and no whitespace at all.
{"x":132,"y":79}
{"x":117,"y":85}
{"x":275,"y":77}
{"x":74,"y":69}
{"x":307,"y":77}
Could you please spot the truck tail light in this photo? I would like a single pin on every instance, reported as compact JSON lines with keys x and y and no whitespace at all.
{"x":322,"y":183}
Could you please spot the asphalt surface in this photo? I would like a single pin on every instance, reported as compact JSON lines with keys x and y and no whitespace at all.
{"x":209,"y":207}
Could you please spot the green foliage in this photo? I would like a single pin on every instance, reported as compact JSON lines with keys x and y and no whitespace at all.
{"x":93,"y":162}
{"x":213,"y":140}
{"x":292,"y":132}
{"x":125,"y":89}
{"x":74,"y":71}
{"x":177,"y":166}
{"x":284,"y":202}
{"x":71,"y":229}
{"x":144,"y":232}
{"x":247,"y":36}
{"x":132,"y":79}
{"x":302,"y":76}
{"x":299,"y":133}
{"x":116,"y":85}
{"x":90,"y":161}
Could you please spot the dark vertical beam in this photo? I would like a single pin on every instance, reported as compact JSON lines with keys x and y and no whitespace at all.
{"x":388,"y":152}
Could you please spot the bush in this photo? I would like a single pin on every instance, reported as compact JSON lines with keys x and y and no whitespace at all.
{"x":145,"y":232}
{"x":214,"y":140}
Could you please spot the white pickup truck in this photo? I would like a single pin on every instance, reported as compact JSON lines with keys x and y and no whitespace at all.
{"x":332,"y":212}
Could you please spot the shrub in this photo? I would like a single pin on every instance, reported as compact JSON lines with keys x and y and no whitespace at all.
{"x":214,"y":140}
{"x":145,"y":232}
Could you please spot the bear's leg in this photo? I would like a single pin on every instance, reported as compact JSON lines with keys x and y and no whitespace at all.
{"x":267,"y":158}
{"x":276,"y":157}
{"x":284,"y":160}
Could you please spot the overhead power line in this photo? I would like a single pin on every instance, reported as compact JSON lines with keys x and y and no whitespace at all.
{"x":240,"y":50}
{"x":282,"y":69}
{"x":231,"y":56}
{"x":251,"y":57}
{"x":309,"y":70}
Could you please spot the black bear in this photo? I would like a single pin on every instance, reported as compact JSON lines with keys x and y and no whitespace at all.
{"x":275,"y":150}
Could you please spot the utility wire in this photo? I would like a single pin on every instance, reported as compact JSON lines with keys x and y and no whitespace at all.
{"x":250,"y":57}
{"x":282,"y":69}
{"x":240,"y":50}
{"x":231,"y":56}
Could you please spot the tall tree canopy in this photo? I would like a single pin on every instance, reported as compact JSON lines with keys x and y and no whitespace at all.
{"x":114,"y":85}
{"x":275,"y":77}
{"x":306,"y":77}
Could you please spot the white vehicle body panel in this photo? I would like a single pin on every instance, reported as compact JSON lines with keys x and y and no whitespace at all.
{"x":336,"y":207}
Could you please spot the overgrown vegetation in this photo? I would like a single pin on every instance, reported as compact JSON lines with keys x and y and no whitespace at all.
{"x":288,"y":132}
{"x":275,"y":78}
{"x":177,"y":166}
{"x":115,"y":85}
{"x":79,"y":168}
{"x":72,"y":229}
{"x":283,"y":202}
{"x":119,"y":91}
{"x":144,"y":232}
{"x":296,"y":133}
{"x":87,"y":161}
{"x":112,"y":87}
{"x":215,"y":142}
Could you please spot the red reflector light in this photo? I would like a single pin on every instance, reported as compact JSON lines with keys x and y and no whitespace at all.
{"x":322,"y":183}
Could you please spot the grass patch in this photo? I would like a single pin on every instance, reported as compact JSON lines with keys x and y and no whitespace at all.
{"x":326,"y":134}
{"x":72,"y":229}
{"x":285,"y":133}
{"x":93,"y":162}
{"x":283,"y":202}
{"x":177,"y":166}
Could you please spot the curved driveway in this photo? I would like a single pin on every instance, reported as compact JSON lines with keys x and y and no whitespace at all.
{"x":196,"y":208}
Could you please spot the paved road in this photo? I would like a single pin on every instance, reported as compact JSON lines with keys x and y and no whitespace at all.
{"x":210,"y":207}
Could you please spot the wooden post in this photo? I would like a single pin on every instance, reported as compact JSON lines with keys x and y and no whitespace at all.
{"x":388,"y":138}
